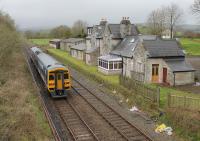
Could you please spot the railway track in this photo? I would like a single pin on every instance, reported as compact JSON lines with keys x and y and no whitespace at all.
{"x":74,"y":122}
{"x":128,"y":131}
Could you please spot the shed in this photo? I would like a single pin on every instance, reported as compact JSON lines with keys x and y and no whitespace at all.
{"x":55,"y":43}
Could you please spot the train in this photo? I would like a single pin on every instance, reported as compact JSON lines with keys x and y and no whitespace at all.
{"x":55,"y":75}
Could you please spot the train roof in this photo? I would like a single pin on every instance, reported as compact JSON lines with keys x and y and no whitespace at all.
{"x":48,"y":61}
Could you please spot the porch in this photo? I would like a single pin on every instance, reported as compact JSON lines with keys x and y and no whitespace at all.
{"x":110,"y":64}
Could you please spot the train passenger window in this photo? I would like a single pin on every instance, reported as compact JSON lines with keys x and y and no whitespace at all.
{"x":51,"y":77}
{"x":66,"y":76}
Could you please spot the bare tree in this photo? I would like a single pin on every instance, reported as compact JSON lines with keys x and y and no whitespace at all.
{"x":196,"y":7}
{"x":174,"y":14}
{"x":157,"y":21}
{"x":164,"y":18}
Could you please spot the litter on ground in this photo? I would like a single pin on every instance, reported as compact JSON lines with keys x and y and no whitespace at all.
{"x":197,"y":84}
{"x":163,"y":128}
{"x":134,"y":109}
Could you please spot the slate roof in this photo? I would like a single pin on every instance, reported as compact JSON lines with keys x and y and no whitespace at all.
{"x":179,"y":65}
{"x":115,"y":30}
{"x":72,"y":40}
{"x":55,"y":40}
{"x":160,"y":48}
{"x":110,"y":58}
{"x":126,"y":47}
{"x":92,"y":49}
{"x":80,"y":47}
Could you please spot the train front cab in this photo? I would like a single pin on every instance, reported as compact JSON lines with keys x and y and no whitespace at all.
{"x":59,"y":82}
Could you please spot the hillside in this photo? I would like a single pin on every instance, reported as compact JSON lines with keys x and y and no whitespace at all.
{"x":21,"y":116}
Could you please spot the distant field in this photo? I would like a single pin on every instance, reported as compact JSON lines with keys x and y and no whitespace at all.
{"x":191,"y":46}
{"x":40,"y":42}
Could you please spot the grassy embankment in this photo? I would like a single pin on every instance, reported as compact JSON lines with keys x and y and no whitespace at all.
{"x":21,"y":116}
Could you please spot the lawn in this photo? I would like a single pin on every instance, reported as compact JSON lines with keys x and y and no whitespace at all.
{"x":40,"y":42}
{"x":191,"y":46}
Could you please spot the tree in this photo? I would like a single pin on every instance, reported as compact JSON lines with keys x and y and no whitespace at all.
{"x":79,"y":28}
{"x":61,"y":32}
{"x":196,"y":7}
{"x":174,"y":14}
{"x":157,"y":21}
{"x":164,"y":18}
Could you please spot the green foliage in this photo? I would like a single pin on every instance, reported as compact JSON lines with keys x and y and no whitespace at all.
{"x":191,"y":46}
{"x":60,"y":32}
{"x":20,"y":116}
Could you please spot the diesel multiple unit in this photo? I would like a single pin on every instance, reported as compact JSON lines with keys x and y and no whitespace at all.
{"x":54,"y":74}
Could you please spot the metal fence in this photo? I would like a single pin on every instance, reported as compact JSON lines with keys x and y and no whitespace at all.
{"x":175,"y":101}
{"x":152,"y":94}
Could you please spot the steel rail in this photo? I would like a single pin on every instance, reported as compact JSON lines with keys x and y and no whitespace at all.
{"x":47,"y":114}
{"x":141,"y":132}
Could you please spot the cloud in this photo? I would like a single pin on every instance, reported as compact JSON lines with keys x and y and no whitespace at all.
{"x":50,"y":13}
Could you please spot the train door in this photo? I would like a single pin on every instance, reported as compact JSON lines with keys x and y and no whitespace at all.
{"x":59,"y":78}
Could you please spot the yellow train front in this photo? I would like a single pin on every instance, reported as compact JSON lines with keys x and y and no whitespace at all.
{"x":54,"y":74}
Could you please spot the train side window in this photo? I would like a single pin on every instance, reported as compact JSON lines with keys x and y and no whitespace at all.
{"x":66,"y":76}
{"x":51,"y":77}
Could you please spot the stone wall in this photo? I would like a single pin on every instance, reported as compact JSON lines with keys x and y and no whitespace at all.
{"x":109,"y":72}
{"x":136,"y":63}
{"x":66,"y":46}
{"x":182,"y":78}
{"x":91,"y":58}
{"x":80,"y":55}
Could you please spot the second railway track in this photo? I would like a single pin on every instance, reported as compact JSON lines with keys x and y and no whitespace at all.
{"x":128,"y":131}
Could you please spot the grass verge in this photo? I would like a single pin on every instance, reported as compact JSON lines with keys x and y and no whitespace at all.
{"x":191,"y":46}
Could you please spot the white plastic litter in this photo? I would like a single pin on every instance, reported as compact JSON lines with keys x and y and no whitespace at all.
{"x":197,"y":84}
{"x":127,"y":100}
{"x":168,"y":130}
{"x":134,"y":109}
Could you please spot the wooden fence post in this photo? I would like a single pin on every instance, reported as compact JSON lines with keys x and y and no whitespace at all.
{"x":169,"y":100}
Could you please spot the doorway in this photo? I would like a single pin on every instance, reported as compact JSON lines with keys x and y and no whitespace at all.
{"x":155,"y":73}
{"x":164,"y":75}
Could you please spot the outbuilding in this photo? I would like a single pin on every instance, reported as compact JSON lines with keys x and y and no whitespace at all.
{"x":110,"y":64}
{"x":55,"y":43}
{"x":66,"y":44}
{"x":78,"y":51}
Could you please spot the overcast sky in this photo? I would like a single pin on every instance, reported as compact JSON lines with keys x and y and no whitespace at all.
{"x":50,"y":13}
